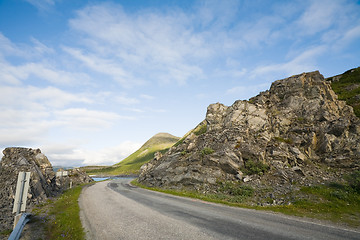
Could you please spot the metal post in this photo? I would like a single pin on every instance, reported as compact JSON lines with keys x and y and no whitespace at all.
{"x":21,"y":192}
{"x":22,"y":188}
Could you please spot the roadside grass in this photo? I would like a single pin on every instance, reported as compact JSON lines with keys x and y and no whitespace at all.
{"x":60,"y":217}
{"x":224,"y":198}
{"x":333,"y":202}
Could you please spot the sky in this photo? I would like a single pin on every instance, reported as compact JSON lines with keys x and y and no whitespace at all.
{"x":88,"y":82}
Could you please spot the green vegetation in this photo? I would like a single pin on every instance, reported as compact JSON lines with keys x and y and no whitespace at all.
{"x":334,"y":202}
{"x":348,"y":88}
{"x":131,"y":165}
{"x":207,"y":151}
{"x":198,"y":130}
{"x":284,"y":140}
{"x":232,"y":194}
{"x":5,"y":233}
{"x":201,"y":129}
{"x":60,"y":217}
{"x":354,"y":181}
{"x":255,"y":167}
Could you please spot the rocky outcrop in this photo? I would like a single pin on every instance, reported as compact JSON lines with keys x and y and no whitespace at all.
{"x":43,"y":181}
{"x":296,"y":133}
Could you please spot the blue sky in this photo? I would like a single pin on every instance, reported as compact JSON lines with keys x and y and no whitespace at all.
{"x":88,"y":82}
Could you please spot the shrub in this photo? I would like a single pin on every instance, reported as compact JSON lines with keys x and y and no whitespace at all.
{"x":255,"y":167}
{"x":207,"y":151}
{"x":235,"y":189}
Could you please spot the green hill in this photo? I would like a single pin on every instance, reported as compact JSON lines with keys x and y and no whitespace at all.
{"x":161,"y":142}
{"x":347,"y":87}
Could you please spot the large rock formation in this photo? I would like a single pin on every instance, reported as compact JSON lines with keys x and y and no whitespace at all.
{"x":296,"y":133}
{"x":43,"y":181}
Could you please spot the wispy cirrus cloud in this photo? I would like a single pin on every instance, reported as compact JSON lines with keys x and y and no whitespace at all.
{"x":161,"y":45}
{"x":42,"y":5}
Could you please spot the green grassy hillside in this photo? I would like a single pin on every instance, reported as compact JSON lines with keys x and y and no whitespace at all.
{"x":347,"y":87}
{"x":161,"y":142}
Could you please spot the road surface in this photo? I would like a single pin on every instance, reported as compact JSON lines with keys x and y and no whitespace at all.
{"x":116,"y":210}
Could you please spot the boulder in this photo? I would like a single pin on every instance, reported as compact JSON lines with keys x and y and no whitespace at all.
{"x":290,"y":134}
{"x":43,"y":181}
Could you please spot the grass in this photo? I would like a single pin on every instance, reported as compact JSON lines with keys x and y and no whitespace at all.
{"x":255,"y":167}
{"x":5,"y":233}
{"x":235,"y":199}
{"x":346,"y":90}
{"x":60,"y":217}
{"x":339,"y":203}
{"x":207,"y":151}
{"x":333,"y":202}
{"x":201,"y":129}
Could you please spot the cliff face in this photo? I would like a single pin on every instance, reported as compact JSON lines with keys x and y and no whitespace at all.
{"x":43,"y":181}
{"x":296,"y":133}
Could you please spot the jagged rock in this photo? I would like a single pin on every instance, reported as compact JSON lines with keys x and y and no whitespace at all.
{"x":297,"y":128}
{"x":43,"y":181}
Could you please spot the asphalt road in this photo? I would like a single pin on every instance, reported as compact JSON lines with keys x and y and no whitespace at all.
{"x":116,"y":210}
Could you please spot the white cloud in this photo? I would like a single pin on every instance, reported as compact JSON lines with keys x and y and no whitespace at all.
{"x":147,"y":97}
{"x":347,"y":38}
{"x":12,"y":74}
{"x":87,"y":120}
{"x":8,"y":74}
{"x":75,"y":155}
{"x":319,"y":16}
{"x":41,"y":48}
{"x":137,"y":110}
{"x":42,"y":5}
{"x":158,"y":46}
{"x":105,"y":66}
{"x":304,"y":62}
{"x":35,"y":98}
{"x":6,"y":46}
{"x":246,"y":92}
{"x":29,"y":114}
{"x":126,"y":100}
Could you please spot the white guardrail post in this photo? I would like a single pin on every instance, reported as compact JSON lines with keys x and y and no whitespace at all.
{"x":20,"y":220}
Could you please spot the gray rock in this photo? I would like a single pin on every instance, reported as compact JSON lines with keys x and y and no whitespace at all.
{"x":43,"y":181}
{"x":298,"y":128}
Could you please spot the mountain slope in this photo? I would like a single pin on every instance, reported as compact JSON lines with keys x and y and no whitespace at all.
{"x":160,"y":142}
{"x":295,"y":134}
{"x":347,"y":87}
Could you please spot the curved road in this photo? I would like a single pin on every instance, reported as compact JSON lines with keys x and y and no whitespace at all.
{"x":116,"y":210}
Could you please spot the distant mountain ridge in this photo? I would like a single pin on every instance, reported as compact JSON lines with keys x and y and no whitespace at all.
{"x":160,"y":142}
